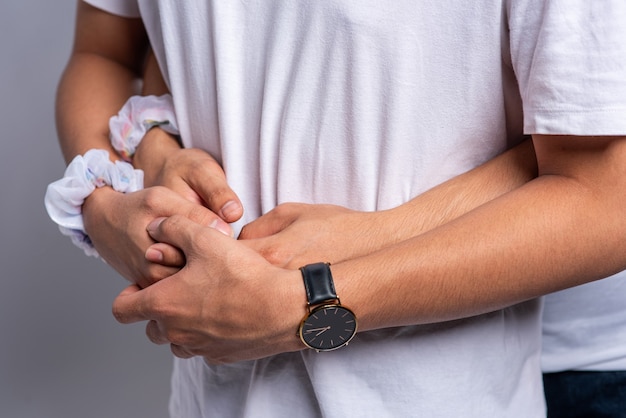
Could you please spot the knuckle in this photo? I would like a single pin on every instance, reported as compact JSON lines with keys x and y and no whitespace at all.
{"x":180,"y":352}
{"x":275,"y":256}
{"x":201,"y":215}
{"x":271,"y":255}
{"x":152,"y":272}
{"x":180,"y":160}
{"x":175,"y":222}
{"x":199,"y":162}
{"x":179,"y":338}
{"x":218,"y":192}
{"x":285,"y":209}
{"x":153,"y":197}
{"x":152,"y":332}
{"x":158,"y":304}
{"x":188,"y":161}
{"x":119,"y":315}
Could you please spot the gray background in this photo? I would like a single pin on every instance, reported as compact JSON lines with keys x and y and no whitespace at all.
{"x":61,"y":352}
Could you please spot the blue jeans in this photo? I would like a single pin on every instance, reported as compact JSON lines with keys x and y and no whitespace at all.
{"x":586,"y":394}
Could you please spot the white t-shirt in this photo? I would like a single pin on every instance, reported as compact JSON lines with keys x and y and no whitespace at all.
{"x":584,"y":328}
{"x":366,"y":104}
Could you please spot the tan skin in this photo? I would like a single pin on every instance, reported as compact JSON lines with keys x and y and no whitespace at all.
{"x":108,"y":60}
{"x":503,"y":237}
{"x":489,"y":258}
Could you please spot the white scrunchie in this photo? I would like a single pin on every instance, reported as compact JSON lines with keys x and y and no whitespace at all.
{"x":65,"y":197}
{"x":138,"y":115}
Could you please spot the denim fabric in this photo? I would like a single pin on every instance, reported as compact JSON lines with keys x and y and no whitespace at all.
{"x":586,"y":394}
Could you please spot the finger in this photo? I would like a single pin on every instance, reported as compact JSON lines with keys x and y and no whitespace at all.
{"x":178,"y":231}
{"x":205,"y":217}
{"x":165,"y":255}
{"x":273,"y":252}
{"x":180,"y":351}
{"x":154,"y":334}
{"x":152,"y":273}
{"x":130,"y":305}
{"x":161,"y":202}
{"x":271,"y":223}
{"x":262,"y":227}
{"x":183,"y":188}
{"x":209,"y":182}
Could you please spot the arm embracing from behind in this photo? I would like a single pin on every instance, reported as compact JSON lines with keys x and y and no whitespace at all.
{"x":562,"y":229}
{"x":295,"y":234}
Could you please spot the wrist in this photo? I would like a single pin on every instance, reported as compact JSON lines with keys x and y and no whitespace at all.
{"x":64,"y":198}
{"x":357,"y":290}
{"x":95,"y":207}
{"x":289,"y":310}
{"x":152,"y":153}
{"x":329,"y":324}
{"x":136,"y":118}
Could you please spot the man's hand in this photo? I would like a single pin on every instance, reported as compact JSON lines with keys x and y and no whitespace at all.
{"x":295,"y":234}
{"x":116,"y":224}
{"x":227,"y":303}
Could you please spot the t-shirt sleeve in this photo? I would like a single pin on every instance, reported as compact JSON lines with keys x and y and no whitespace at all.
{"x":125,"y":8}
{"x":569,"y":57}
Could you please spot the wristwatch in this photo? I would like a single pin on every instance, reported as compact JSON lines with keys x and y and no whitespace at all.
{"x":328,"y":325}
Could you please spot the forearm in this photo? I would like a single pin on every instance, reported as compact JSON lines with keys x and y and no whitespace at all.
{"x":564,"y":228}
{"x":555,"y":232}
{"x":292,"y":235}
{"x":460,"y":195}
{"x":109,"y":64}
{"x":157,"y":144}
{"x":91,"y":91}
{"x":105,"y":67}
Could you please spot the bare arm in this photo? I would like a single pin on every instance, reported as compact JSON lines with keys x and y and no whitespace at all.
{"x":296,"y":234}
{"x":105,"y":68}
{"x":564,"y":228}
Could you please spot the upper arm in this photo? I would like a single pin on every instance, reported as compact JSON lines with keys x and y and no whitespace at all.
{"x":119,"y":39}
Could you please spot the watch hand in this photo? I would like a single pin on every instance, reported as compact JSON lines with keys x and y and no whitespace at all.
{"x":321,"y":330}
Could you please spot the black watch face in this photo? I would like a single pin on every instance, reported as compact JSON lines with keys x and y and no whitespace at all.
{"x":328,"y":328}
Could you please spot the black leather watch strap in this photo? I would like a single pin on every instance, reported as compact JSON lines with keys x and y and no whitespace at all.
{"x":318,"y":283}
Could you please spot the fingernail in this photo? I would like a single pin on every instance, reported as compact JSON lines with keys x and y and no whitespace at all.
{"x":153,"y":255}
{"x":230,"y":211}
{"x":152,"y":226}
{"x":222,"y":226}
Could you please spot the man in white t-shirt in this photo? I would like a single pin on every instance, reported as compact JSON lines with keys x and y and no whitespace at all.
{"x":354,"y":109}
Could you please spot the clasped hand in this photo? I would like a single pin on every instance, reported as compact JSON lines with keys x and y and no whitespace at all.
{"x":178,"y":181}
{"x":239,"y":299}
{"x":226,"y":304}
{"x":203,"y":292}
